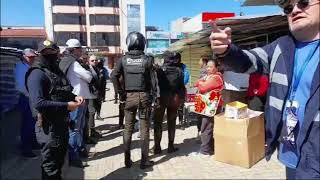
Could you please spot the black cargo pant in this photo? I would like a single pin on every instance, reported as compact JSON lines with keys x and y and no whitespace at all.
{"x":137,"y":101}
{"x":181,"y":107}
{"x":116,"y":89}
{"x":92,"y":106}
{"x":98,"y":105}
{"x":53,"y":150}
{"x":180,"y":111}
{"x":121,"y":112}
{"x":171,"y":104}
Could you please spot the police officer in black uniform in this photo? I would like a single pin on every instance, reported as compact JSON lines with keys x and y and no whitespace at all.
{"x":138,"y":77}
{"x":51,"y":100}
{"x":170,"y":77}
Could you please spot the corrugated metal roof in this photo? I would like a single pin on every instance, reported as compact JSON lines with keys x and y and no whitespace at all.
{"x":258,"y":2}
{"x":242,"y":27}
{"x":23,"y":33}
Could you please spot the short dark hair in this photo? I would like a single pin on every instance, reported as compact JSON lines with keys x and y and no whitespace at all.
{"x":205,"y":58}
{"x":216,"y":63}
{"x":172,"y":57}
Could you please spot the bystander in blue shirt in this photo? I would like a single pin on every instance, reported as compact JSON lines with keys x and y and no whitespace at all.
{"x":289,"y":157}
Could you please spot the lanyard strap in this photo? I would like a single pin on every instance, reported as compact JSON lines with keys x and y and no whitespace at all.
{"x":297,"y":76}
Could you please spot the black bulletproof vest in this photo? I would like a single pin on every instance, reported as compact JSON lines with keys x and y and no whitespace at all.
{"x":136,"y":73}
{"x":60,"y":89}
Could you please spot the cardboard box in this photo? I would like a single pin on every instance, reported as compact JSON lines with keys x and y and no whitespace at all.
{"x":239,"y":141}
{"x":236,"y":110}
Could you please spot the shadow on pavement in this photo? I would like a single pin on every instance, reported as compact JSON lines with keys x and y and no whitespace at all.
{"x":109,"y":117}
{"x":188,"y":146}
{"x":124,"y":173}
{"x":114,"y":151}
{"x":12,"y":164}
{"x":110,"y":127}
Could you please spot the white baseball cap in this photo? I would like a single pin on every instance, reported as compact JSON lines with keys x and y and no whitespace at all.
{"x":73,"y":43}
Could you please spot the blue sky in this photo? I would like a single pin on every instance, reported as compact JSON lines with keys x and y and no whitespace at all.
{"x":158,"y":12}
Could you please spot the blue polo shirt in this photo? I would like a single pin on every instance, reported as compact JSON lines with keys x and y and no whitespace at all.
{"x":20,"y":72}
{"x":289,"y":157}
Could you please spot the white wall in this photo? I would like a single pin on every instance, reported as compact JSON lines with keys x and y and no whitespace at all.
{"x":177,"y":25}
{"x":193,"y":25}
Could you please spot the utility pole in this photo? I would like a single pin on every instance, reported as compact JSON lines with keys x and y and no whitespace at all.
{"x":48,"y":19}
{"x":241,"y":13}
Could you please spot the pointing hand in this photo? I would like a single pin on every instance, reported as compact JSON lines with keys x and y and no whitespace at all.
{"x":220,"y":39}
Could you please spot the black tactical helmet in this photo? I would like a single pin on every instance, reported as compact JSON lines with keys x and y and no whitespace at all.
{"x":172,"y":57}
{"x":135,"y":41}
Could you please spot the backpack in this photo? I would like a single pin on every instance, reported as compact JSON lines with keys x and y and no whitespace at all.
{"x":174,"y":77}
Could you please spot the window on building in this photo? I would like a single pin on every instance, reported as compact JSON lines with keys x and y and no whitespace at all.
{"x":158,"y":43}
{"x":69,"y":2}
{"x":109,"y":19}
{"x":63,"y":37}
{"x":104,"y":3}
{"x":133,"y":20}
{"x":105,"y":39}
{"x":69,"y":19}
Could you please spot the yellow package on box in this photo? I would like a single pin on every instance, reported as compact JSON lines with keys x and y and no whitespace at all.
{"x":236,"y":110}
{"x":239,"y":141}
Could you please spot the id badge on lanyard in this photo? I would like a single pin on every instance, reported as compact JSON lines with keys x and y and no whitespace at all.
{"x":291,"y":118}
{"x":292,"y":106}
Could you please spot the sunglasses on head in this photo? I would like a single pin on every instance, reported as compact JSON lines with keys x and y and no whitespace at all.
{"x":288,"y":5}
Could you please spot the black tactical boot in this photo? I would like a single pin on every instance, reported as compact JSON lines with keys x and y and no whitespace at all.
{"x":127,"y":160}
{"x":171,"y":148}
{"x":146,"y":164}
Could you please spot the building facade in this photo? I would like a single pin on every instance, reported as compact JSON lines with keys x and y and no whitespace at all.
{"x":22,"y":37}
{"x":100,"y":25}
{"x":198,"y":22}
{"x":177,"y":25}
{"x":159,"y":41}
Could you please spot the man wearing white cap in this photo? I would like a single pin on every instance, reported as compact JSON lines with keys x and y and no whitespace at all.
{"x":79,"y":78}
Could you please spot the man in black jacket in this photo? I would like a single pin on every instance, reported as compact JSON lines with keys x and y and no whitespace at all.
{"x":138,"y":76}
{"x":172,"y":89}
{"x":51,"y":99}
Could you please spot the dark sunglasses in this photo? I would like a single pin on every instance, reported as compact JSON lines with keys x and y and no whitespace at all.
{"x":288,"y":5}
{"x":94,"y":60}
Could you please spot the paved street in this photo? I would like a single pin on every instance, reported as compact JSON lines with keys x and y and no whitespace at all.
{"x":107,"y":162}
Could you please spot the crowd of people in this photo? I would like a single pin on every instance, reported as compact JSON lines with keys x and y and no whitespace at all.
{"x":60,"y":95}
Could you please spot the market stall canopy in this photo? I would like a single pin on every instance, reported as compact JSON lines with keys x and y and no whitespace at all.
{"x":258,"y":2}
{"x":242,"y":27}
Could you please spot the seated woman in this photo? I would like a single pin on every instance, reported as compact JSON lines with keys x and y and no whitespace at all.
{"x":211,"y":81}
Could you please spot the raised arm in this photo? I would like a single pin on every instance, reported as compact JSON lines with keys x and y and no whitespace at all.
{"x":241,"y":61}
